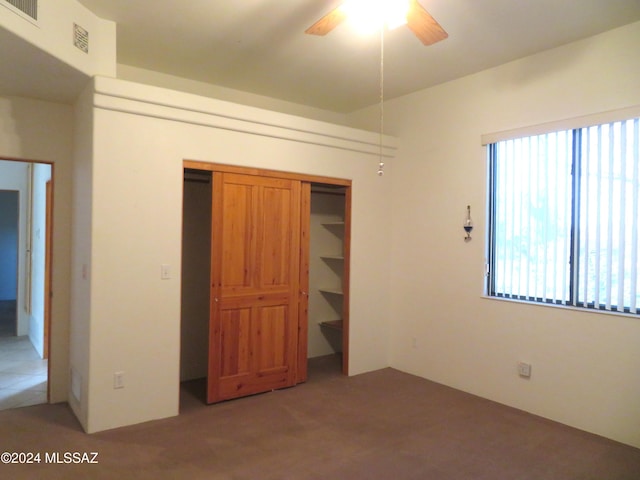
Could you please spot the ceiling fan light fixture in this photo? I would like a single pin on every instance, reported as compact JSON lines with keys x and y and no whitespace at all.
{"x":368,"y":16}
{"x":371,"y":15}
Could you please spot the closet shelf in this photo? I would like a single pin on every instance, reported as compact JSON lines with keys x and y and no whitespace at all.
{"x":333,"y":224}
{"x":332,"y":324}
{"x":332,"y":291}
{"x":332,"y":257}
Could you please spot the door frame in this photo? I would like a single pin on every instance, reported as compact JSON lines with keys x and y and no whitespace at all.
{"x":48,"y":255}
{"x":307,"y":180}
{"x":48,"y":273}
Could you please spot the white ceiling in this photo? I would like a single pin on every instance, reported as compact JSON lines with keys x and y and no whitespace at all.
{"x":259,"y":46}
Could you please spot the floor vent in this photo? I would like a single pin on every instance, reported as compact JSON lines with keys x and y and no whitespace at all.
{"x":28,"y":7}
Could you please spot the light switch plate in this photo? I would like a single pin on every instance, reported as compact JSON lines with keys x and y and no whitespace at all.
{"x":165,"y":272}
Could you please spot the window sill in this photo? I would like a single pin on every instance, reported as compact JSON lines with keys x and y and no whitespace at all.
{"x":564,"y":307}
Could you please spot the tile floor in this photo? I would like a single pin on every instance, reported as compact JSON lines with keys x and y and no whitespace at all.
{"x":23,"y":374}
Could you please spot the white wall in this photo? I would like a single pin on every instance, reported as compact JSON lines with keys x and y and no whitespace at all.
{"x":149,"y":77}
{"x":80,"y":277}
{"x":37,"y":130}
{"x":585,"y":365}
{"x":135,"y":223}
{"x":41,"y":174}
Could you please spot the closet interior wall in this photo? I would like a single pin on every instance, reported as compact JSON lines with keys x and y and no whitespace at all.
{"x":326,"y":270}
{"x":196,"y":261}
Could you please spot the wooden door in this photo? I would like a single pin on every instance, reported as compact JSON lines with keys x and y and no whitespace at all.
{"x":255,"y":264}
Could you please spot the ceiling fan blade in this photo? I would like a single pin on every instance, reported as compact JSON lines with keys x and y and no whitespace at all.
{"x":327,"y":23}
{"x":424,"y":25}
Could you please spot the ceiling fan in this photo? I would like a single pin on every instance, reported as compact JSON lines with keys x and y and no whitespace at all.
{"x":421,"y":23}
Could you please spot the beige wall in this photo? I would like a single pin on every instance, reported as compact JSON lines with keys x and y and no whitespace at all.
{"x":36,"y":130}
{"x":149,"y":77}
{"x":80,"y":278}
{"x":141,"y":135}
{"x":585,"y":365}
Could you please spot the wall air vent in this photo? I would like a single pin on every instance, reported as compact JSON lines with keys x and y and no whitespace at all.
{"x":28,"y":7}
{"x":80,"y":38}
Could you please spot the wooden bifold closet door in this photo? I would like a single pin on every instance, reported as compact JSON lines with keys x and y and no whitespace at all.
{"x":255,"y":275}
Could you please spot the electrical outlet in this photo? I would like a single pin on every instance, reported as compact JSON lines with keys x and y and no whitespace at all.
{"x":524,"y":369}
{"x":118,"y":380}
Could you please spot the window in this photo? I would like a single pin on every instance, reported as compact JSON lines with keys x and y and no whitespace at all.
{"x":564,"y":215}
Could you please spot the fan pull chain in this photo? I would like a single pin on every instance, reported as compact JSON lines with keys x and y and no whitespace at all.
{"x":381,"y":162}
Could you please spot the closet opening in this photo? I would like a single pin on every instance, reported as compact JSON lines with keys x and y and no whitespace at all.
{"x":234,"y":241}
{"x":195,"y":298}
{"x":328,"y":279}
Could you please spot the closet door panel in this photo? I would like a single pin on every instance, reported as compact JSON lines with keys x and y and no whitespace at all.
{"x":235,"y":343}
{"x":272,"y":343}
{"x":238,"y":237}
{"x":255,"y":285}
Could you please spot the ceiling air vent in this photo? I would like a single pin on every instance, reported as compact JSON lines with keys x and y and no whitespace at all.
{"x":28,"y":7}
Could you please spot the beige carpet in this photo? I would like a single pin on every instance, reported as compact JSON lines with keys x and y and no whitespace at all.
{"x":381,"y":425}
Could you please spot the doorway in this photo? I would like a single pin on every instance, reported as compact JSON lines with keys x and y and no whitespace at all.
{"x":328,"y":331}
{"x":329,"y":239}
{"x":24,"y":345}
{"x":196,"y":286}
{"x":9,"y":216}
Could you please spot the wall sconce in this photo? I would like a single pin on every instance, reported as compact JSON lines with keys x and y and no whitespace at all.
{"x":468,"y":224}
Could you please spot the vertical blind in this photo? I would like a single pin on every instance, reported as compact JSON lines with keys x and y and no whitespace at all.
{"x":564,"y":217}
{"x":608,"y":216}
